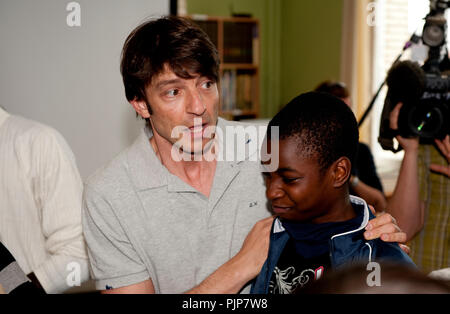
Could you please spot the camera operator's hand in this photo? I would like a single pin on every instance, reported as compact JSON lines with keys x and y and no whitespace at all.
{"x":444,"y":147}
{"x":408,"y":144}
{"x":404,"y":203}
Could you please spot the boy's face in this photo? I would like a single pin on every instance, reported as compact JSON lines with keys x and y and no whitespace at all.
{"x":298,"y":190}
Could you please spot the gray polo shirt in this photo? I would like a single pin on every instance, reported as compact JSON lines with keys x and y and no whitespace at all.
{"x":142,"y":222}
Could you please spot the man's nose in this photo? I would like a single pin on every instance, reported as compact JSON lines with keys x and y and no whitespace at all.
{"x":196,"y":104}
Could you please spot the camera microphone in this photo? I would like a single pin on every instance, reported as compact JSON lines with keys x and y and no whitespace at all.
{"x":424,"y":96}
{"x":424,"y":91}
{"x":406,"y":81}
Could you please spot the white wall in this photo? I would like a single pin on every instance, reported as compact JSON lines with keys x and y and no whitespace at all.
{"x":69,"y":77}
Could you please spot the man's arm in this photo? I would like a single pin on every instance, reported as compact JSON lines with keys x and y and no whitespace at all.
{"x":58,"y":188}
{"x":404,"y":203}
{"x":113,"y":259}
{"x":232,"y":276}
{"x":369,"y":194}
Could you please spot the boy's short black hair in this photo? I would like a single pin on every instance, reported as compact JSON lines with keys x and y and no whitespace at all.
{"x":323,"y":124}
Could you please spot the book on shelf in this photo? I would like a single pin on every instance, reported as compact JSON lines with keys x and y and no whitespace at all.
{"x":237,"y":91}
{"x":238,"y":42}
{"x":244,"y":92}
{"x":228,"y":90}
{"x":255,"y":45}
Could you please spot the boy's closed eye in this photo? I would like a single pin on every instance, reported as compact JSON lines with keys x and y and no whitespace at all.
{"x":288,"y":180}
{"x":289,"y":175}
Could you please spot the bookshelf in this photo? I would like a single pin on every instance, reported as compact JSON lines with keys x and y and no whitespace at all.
{"x":238,"y":42}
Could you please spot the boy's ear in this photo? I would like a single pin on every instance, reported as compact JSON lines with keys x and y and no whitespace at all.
{"x":342,"y":171}
{"x":141,"y":108}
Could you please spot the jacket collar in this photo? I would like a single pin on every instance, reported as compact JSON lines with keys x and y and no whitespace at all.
{"x":278,"y":226}
{"x":366,"y":216}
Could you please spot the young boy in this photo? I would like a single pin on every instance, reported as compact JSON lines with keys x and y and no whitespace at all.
{"x":319,"y":225}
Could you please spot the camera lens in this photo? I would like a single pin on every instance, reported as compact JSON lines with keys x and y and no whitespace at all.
{"x":425,"y":121}
{"x":433,"y":35}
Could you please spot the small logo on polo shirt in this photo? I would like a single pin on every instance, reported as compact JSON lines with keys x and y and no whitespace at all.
{"x":252,"y":204}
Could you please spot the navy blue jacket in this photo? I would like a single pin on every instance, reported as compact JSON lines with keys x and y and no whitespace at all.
{"x":345,"y":248}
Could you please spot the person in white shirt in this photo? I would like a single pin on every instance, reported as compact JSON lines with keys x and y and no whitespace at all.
{"x":40,"y":204}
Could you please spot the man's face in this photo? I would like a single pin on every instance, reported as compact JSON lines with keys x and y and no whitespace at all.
{"x":297,"y":190}
{"x":184,"y":111}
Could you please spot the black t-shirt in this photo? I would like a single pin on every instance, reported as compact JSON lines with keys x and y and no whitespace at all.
{"x":306,"y":256}
{"x":295,"y":271}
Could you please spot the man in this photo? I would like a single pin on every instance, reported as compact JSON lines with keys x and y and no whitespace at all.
{"x":421,"y":200}
{"x":40,"y":203}
{"x":430,"y":247}
{"x":157,"y":223}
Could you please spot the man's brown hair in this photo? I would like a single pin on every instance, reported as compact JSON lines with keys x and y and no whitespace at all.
{"x":173,"y":41}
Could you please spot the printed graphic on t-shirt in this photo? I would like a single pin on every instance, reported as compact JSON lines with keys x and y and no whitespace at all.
{"x":295,"y":271}
{"x":287,"y":280}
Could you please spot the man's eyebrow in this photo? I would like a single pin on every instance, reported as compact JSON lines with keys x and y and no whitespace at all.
{"x":161,"y":84}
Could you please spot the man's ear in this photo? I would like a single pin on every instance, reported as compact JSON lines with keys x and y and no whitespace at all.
{"x":342,"y":171}
{"x":141,"y":108}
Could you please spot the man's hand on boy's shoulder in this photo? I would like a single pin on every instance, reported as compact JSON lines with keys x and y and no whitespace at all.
{"x":385,"y":227}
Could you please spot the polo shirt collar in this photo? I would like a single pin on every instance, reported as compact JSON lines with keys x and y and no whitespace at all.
{"x":147,"y":172}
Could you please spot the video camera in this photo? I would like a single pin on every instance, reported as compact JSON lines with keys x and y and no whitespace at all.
{"x":424,"y":91}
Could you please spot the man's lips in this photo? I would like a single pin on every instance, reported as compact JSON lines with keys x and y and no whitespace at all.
{"x":198,"y":128}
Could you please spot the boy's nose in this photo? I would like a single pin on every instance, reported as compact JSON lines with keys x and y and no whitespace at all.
{"x":273,"y":191}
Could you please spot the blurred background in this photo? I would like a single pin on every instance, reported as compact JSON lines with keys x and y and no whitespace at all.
{"x":67,"y":75}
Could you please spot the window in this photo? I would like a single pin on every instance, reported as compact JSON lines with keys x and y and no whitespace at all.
{"x":396,"y":21}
